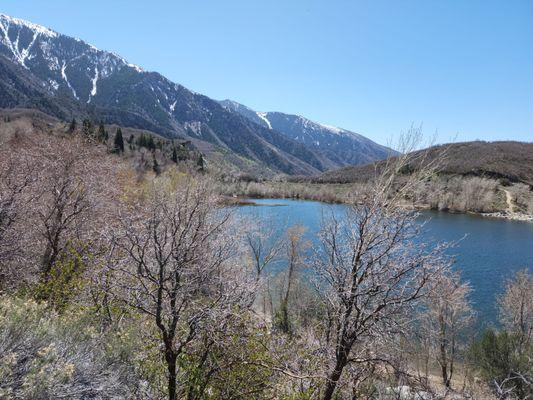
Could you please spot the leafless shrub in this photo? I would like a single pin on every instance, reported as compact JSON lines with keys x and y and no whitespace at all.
{"x":72,"y":195}
{"x":58,"y":192}
{"x":445,"y":322}
{"x":295,"y":247}
{"x":262,"y":243}
{"x":16,"y":175}
{"x":516,"y":305}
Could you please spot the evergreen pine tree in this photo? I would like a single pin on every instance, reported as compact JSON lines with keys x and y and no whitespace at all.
{"x":174,"y":154}
{"x":72,"y":126}
{"x":155,"y":166}
{"x":88,"y":127}
{"x":200,"y":163}
{"x":102,"y":134}
{"x":143,"y":141}
{"x":151,"y":143}
{"x":119,"y":142}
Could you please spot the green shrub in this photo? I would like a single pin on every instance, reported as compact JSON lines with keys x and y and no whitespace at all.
{"x":502,"y":359}
{"x":233,"y":363}
{"x":65,"y":279}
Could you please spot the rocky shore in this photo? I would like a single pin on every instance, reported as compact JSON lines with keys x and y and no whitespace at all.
{"x":509,"y":216}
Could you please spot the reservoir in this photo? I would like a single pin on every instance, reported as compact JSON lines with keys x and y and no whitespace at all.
{"x":489,"y":251}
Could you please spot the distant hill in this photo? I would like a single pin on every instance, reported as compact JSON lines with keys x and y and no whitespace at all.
{"x":339,"y":145}
{"x":499,"y":160}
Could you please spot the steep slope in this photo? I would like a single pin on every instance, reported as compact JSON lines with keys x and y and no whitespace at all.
{"x":67,"y":77}
{"x":340,"y":146}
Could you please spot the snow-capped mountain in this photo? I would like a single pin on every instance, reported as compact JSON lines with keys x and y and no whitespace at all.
{"x":66,"y":77}
{"x":339,"y":145}
{"x":62,"y":63}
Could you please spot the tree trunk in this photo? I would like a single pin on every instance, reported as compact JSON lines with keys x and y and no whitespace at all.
{"x":51,"y":253}
{"x":443,"y":353}
{"x":333,"y":378}
{"x":445,"y":379}
{"x":170,"y":358}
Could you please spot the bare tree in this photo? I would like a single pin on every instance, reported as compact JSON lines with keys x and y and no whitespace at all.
{"x":448,"y":315}
{"x":16,"y":175}
{"x":50,"y":186}
{"x":370,"y":269}
{"x":516,"y":305}
{"x":263,"y":245}
{"x":66,"y":183}
{"x":295,"y":248}
{"x":176,"y":267}
{"x":64,"y":195}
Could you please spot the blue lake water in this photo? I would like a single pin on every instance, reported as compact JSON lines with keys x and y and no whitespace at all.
{"x":491,"y":252}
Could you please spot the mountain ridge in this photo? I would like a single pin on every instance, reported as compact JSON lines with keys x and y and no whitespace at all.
{"x":507,"y":160}
{"x":67,"y":77}
{"x":340,"y":145}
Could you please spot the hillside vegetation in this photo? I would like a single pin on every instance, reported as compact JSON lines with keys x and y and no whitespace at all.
{"x":124,"y":276}
{"x":512,"y":161}
{"x":493,"y":178}
{"x":145,"y":150}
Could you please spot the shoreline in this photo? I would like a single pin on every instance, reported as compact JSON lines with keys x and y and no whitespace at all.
{"x":504,"y":215}
{"x":520,"y":217}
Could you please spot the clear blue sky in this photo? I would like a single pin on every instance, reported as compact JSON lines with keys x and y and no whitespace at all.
{"x":463,"y":68}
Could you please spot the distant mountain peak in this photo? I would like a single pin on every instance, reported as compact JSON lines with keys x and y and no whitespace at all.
{"x":21,"y":45}
{"x":42,"y":30}
{"x":339,"y":145}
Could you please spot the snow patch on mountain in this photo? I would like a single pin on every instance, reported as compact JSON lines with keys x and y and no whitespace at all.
{"x":263,"y":116}
{"x":94,"y":82}
{"x":64,"y":76}
{"x":20,"y":55}
{"x":135,"y":67}
{"x":332,"y":129}
{"x":48,"y":46}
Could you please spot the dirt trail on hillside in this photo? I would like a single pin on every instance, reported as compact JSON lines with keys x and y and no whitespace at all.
{"x":509,"y":201}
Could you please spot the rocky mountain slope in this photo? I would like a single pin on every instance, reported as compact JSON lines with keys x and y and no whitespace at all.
{"x":66,"y":77}
{"x":341,"y":146}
